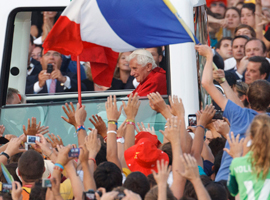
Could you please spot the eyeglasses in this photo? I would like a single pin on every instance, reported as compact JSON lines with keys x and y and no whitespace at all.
{"x":218,"y":4}
{"x":55,"y":54}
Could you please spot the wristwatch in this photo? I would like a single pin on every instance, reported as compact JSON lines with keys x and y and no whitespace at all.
{"x":5,"y":154}
{"x":121,"y":140}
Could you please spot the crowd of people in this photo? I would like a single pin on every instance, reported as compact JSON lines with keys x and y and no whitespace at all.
{"x":217,"y":159}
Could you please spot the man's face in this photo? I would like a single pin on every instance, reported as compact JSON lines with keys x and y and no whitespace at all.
{"x":238,"y":48}
{"x":218,"y":7}
{"x":15,"y":100}
{"x":225,"y":49}
{"x":254,"y":48}
{"x":138,"y":71}
{"x":36,"y":53}
{"x":154,"y":53}
{"x":51,"y":57}
{"x":253,"y":72}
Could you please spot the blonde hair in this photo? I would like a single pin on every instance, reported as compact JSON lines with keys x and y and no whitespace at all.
{"x":260,"y":134}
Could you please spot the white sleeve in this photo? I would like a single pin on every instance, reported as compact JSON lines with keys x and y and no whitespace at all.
{"x":67,"y":83}
{"x":37,"y":88}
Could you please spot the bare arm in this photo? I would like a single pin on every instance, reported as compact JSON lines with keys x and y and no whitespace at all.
{"x":207,"y":78}
{"x":207,"y":153}
{"x":258,"y":19}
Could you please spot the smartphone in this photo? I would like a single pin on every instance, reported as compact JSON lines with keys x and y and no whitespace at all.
{"x":120,"y":196}
{"x":75,"y":152}
{"x":32,"y":139}
{"x":218,"y":115}
{"x":5,"y":187}
{"x":192,"y":120}
{"x":90,"y":195}
{"x":46,"y":183}
{"x":49,"y":68}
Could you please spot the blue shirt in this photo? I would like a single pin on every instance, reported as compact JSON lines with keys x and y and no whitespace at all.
{"x":240,"y":119}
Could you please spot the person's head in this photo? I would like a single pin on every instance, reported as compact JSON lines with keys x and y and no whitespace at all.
{"x":167,"y":148}
{"x":13,"y":96}
{"x":51,"y":57}
{"x":137,"y":182}
{"x":156,"y":53}
{"x":259,"y":95}
{"x":257,"y":68}
{"x":215,"y":190}
{"x":38,"y":192}
{"x":30,"y":166}
{"x":255,"y":47}
{"x":244,"y":29}
{"x":151,"y":180}
{"x":217,"y":161}
{"x":233,"y":16}
{"x":152,"y":194}
{"x":141,"y":63}
{"x":218,"y":6}
{"x":241,"y":90}
{"x":108,"y":175}
{"x":36,"y":53}
{"x":248,"y":14}
{"x":122,"y":64}
{"x":216,"y":145}
{"x":102,"y":154}
{"x":224,"y":47}
{"x":224,"y":183}
{"x":260,"y":135}
{"x":238,"y":47}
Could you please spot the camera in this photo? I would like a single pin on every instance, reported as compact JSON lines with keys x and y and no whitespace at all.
{"x":74,"y":153}
{"x":90,"y":195}
{"x":218,"y":115}
{"x":32,"y":139}
{"x":46,"y":183}
{"x":192,"y":120}
{"x":49,"y":68}
{"x":5,"y":187}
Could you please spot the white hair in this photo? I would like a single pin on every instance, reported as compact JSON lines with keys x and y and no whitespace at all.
{"x":143,"y":57}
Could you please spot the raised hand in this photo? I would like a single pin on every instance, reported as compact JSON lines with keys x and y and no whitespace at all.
{"x":99,"y":124}
{"x":157,"y":103}
{"x":32,"y":129}
{"x":131,"y":195}
{"x":43,"y":146}
{"x":219,"y":75}
{"x":207,"y":115}
{"x":222,"y":127}
{"x":2,"y":129}
{"x":92,"y":143}
{"x":204,"y":50}
{"x":16,"y":192}
{"x":43,"y":130}
{"x":122,"y":130}
{"x":236,"y":146}
{"x":132,"y":107}
{"x":143,"y":128}
{"x":80,"y":115}
{"x":13,"y":146}
{"x":111,"y":108}
{"x":70,"y":114}
{"x":84,"y":154}
{"x":191,"y":171}
{"x":54,"y":140}
{"x":172,"y":132}
{"x":163,"y":172}
{"x":177,"y":107}
{"x":63,"y":157}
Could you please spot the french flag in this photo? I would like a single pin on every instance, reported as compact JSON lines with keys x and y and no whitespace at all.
{"x":120,"y":25}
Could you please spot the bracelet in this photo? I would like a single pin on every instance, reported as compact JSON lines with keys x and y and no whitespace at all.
{"x":80,"y":128}
{"x":132,"y":123}
{"x":111,"y":132}
{"x":92,"y":160}
{"x":130,"y":120}
{"x":113,"y":122}
{"x":59,"y":165}
{"x":58,"y":168}
{"x":201,"y":126}
{"x":5,"y":154}
{"x":121,"y":140}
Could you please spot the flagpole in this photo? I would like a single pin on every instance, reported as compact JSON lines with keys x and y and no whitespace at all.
{"x":79,"y":81}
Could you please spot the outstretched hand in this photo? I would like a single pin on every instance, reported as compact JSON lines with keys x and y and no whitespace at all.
{"x":132,"y":107}
{"x":163,"y":172}
{"x":156,"y":102}
{"x":111,"y":108}
{"x":99,"y":124}
{"x":207,"y":115}
{"x":177,"y":107}
{"x":191,"y":167}
{"x":70,"y":114}
{"x":32,"y":129}
{"x":172,"y":132}
{"x":236,"y":146}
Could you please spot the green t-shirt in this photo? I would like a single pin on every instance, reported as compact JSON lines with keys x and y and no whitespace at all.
{"x":245,"y":182}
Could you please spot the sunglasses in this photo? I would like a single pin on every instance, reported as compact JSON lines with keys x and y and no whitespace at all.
{"x":218,"y":4}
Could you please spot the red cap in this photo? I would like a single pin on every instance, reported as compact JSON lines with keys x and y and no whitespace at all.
{"x":148,"y":135}
{"x":143,"y":157}
{"x":209,"y":2}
